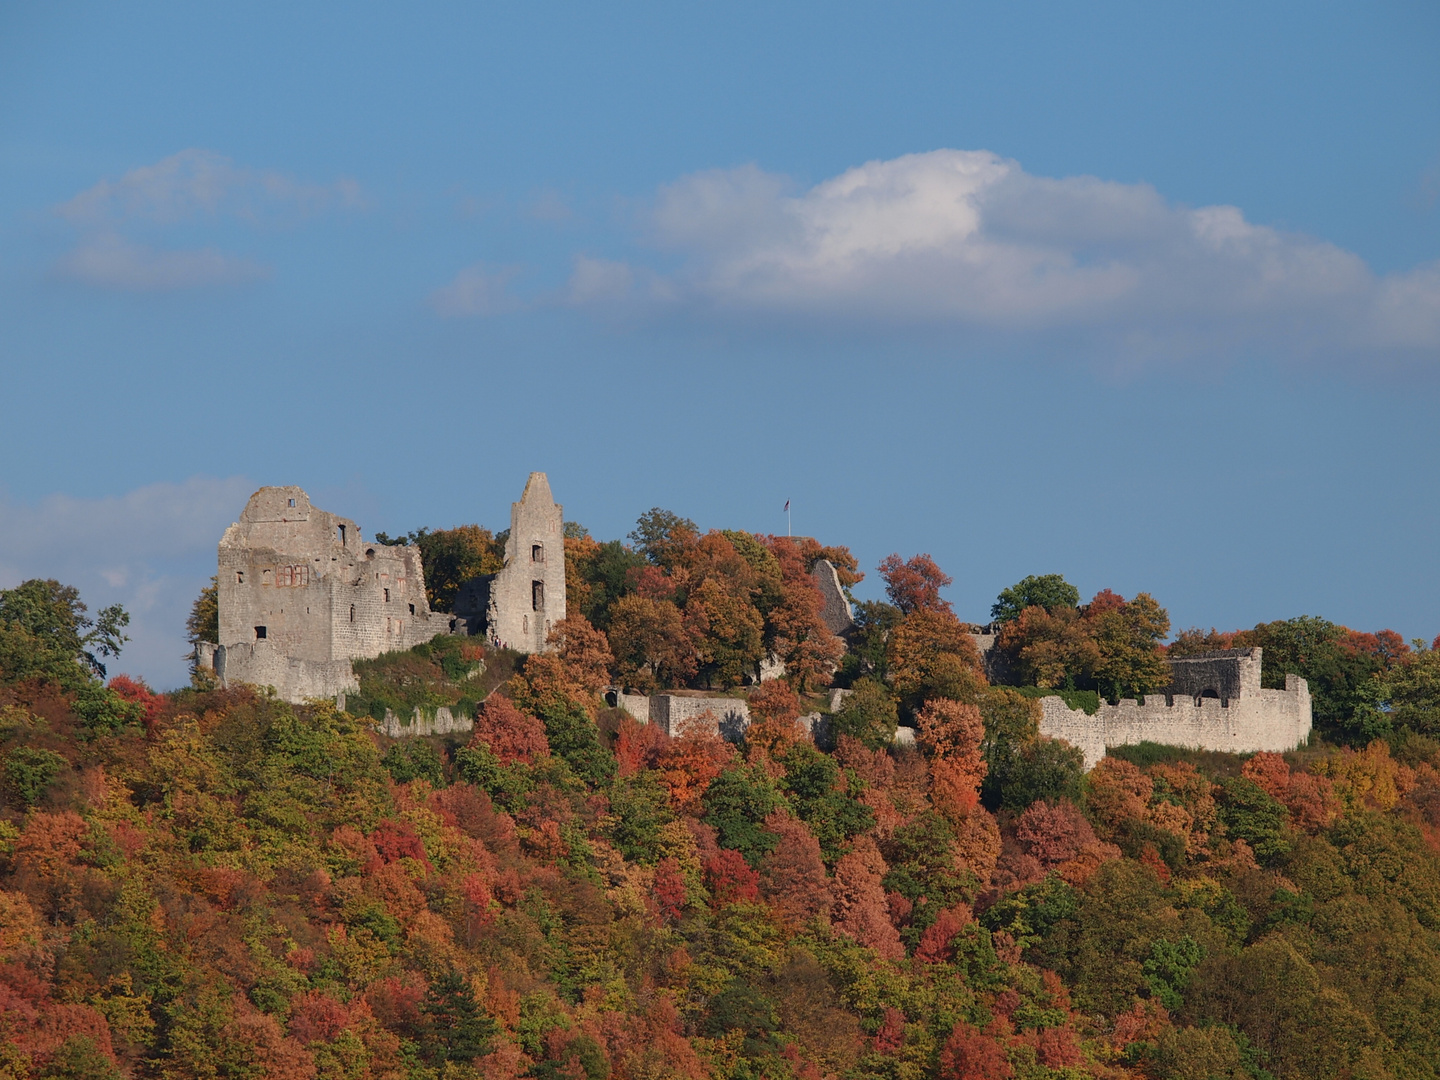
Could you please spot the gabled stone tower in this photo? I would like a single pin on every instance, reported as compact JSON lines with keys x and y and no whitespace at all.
{"x":518,"y":607}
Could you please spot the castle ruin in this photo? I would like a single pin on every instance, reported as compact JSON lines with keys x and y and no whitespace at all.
{"x":301,"y":594}
{"x":517,"y":608}
{"x":1214,"y":702}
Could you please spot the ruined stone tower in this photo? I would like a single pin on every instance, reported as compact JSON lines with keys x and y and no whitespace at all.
{"x":301,"y":594}
{"x":517,"y":607}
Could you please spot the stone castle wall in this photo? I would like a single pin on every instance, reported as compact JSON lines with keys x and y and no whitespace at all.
{"x":301,"y":594}
{"x":1193,"y":714}
{"x":835,"y":610}
{"x":675,"y":714}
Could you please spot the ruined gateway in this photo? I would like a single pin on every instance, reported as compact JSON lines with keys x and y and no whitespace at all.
{"x":301,"y":593}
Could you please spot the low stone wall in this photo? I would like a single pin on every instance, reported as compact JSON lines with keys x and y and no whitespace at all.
{"x":442,"y":722}
{"x":294,"y":680}
{"x":1274,"y":720}
{"x":676,"y":713}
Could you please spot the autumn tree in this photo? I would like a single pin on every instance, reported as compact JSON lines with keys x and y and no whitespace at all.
{"x":1048,"y":591}
{"x":451,"y":557}
{"x":952,"y":732}
{"x":652,"y":646}
{"x":658,"y":534}
{"x":932,"y":655}
{"x":914,"y":584}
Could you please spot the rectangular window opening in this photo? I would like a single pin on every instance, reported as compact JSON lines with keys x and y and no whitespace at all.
{"x":259,"y":633}
{"x":537,"y":596}
{"x":537,"y":553}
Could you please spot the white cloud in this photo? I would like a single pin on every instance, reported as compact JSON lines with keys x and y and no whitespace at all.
{"x":109,"y":261}
{"x":477,"y":290}
{"x":201,"y":182}
{"x":152,"y":550}
{"x":969,"y":239}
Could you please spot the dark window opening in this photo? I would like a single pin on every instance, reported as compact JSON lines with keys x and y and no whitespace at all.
{"x":259,"y":633}
{"x":537,"y":596}
{"x":412,"y":609}
{"x":387,"y":596}
{"x":341,"y":530}
{"x":369,"y":553}
{"x":239,"y":577}
{"x":292,"y":502}
{"x":352,"y":612}
{"x":537,"y":553}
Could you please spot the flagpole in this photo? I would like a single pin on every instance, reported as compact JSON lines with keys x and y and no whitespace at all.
{"x":787,"y":517}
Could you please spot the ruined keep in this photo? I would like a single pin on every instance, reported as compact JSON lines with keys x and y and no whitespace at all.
{"x":1214,"y":702}
{"x":517,"y":608}
{"x":301,"y":594}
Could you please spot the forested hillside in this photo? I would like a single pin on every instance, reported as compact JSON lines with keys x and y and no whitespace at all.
{"x":213,"y":883}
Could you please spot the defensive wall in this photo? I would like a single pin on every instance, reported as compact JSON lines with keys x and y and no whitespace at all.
{"x":1215,"y":702}
{"x":675,"y":714}
{"x":835,"y":610}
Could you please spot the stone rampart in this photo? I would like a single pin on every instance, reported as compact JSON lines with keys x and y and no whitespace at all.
{"x":675,"y":714}
{"x":422,"y":722}
{"x":1275,"y":720}
{"x":835,"y":610}
{"x":293,"y":678}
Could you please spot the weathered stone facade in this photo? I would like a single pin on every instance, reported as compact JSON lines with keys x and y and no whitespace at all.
{"x":835,"y":610}
{"x":1215,"y":702}
{"x":518,"y":607}
{"x":301,"y":594}
{"x":675,"y":714}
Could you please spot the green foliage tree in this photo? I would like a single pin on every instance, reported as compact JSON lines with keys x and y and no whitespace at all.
{"x":29,"y":772}
{"x":1413,"y":691}
{"x":736,"y":803}
{"x":659,"y":532}
{"x":45,"y":633}
{"x":414,"y":759}
{"x":1048,"y":591}
{"x":453,"y":1026}
{"x":868,"y":713}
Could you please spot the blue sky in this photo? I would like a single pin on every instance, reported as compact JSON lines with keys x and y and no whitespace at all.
{"x":1146,"y":295}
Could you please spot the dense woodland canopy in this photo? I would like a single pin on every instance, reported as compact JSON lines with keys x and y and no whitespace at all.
{"x":213,"y":883}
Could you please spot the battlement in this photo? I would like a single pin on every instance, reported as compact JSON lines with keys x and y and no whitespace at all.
{"x":1215,"y":702}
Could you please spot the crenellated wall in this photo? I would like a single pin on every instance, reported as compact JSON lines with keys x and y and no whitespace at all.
{"x":1251,"y":720}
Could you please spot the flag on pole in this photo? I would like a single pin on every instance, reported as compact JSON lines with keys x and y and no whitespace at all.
{"x":787,"y":506}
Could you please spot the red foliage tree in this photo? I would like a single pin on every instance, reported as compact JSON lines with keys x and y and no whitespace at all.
{"x":891,"y":1036}
{"x":135,"y":690}
{"x":793,"y":874}
{"x":510,"y":734}
{"x":936,"y":943}
{"x":669,"y":890}
{"x":861,"y":910}
{"x":730,"y":878}
{"x":1053,"y":834}
{"x":914,"y":584}
{"x":970,"y":1055}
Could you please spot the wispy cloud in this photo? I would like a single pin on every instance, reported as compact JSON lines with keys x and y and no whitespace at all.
{"x":477,"y":290}
{"x":970,"y":240}
{"x":110,"y":261}
{"x":200,"y":182}
{"x":151,"y":550}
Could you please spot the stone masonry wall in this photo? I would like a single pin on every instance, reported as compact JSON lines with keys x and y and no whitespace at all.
{"x":1275,"y":720}
{"x":527,"y":597}
{"x":301,"y":594}
{"x":675,"y":714}
{"x":835,"y":610}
